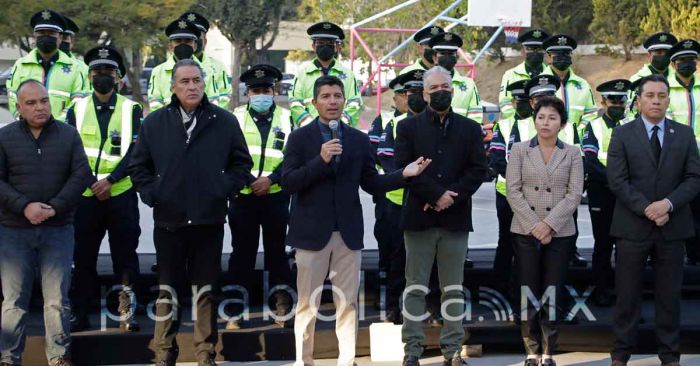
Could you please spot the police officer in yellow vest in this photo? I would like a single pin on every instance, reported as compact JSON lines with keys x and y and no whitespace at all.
{"x":533,"y":65}
{"x":411,"y":83}
{"x":657,"y":46}
{"x":60,"y":74}
{"x":575,"y":92}
{"x":684,"y":107}
{"x":262,"y":203}
{"x":182,"y":35}
{"x":465,"y":98}
{"x":68,"y":42}
{"x":601,"y":202}
{"x":422,"y":37}
{"x":498,"y":162}
{"x":220,"y":75}
{"x":108,"y":124}
{"x":327,"y":40}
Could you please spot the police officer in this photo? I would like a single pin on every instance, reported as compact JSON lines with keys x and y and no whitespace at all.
{"x":422,"y":37}
{"x":108,"y":124}
{"x":684,"y":107}
{"x":574,"y":91}
{"x":412,"y":85}
{"x":220,"y":75}
{"x":465,"y":97}
{"x":657,"y":46}
{"x":326,"y":39}
{"x":601,"y":202}
{"x":533,"y":65}
{"x":60,"y":74}
{"x":68,"y":42}
{"x":520,"y":103}
{"x":262,"y":203}
{"x":183,"y":36}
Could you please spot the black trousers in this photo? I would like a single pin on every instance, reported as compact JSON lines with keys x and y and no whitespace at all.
{"x":692,"y":245}
{"x":601,"y":204}
{"x":505,"y":251}
{"x":187,"y":255}
{"x":382,"y":232}
{"x":668,"y":277}
{"x":396,"y":275}
{"x":118,"y":217}
{"x":247,"y":215}
{"x":542,"y":269}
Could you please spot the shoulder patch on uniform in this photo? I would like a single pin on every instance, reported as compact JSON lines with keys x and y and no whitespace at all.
{"x":66,"y":69}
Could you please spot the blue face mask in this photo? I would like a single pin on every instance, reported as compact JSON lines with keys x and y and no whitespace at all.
{"x":261,"y":103}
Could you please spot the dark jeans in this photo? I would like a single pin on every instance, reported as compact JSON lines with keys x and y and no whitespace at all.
{"x":601,"y":204}
{"x":247,"y":215}
{"x":118,"y":216}
{"x":542,"y":270}
{"x":185,"y":255}
{"x":668,"y":277}
{"x":22,"y":251}
{"x":692,"y":245}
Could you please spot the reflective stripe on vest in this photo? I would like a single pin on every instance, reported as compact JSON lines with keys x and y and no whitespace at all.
{"x":602,"y":133}
{"x":396,"y":196}
{"x":505,"y":127}
{"x":120,"y":125}
{"x":273,"y":157}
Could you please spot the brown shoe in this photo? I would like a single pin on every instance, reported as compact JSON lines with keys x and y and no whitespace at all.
{"x":62,"y":361}
{"x":618,"y":363}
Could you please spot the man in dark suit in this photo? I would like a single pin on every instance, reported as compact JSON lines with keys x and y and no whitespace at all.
{"x":325,"y":224}
{"x":654,"y":172}
{"x":436,"y":215}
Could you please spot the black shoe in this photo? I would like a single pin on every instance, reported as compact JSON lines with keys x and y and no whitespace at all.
{"x":548,"y":362}
{"x":531,"y":362}
{"x":154,"y":268}
{"x":455,"y":361}
{"x":579,"y":261}
{"x":468,"y":263}
{"x":394,"y":316}
{"x":410,"y":361}
{"x":79,"y":322}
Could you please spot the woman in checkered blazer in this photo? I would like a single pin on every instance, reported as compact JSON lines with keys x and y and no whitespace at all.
{"x":545,"y":182}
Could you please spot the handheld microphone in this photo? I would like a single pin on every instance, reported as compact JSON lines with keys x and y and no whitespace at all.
{"x":333,"y":125}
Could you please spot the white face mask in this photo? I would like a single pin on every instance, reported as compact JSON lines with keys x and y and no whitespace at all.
{"x":261,"y":103}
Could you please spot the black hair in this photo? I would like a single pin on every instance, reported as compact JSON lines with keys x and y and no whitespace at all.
{"x":652,"y":78}
{"x":28,"y":81}
{"x":327,"y":80}
{"x":553,"y":102}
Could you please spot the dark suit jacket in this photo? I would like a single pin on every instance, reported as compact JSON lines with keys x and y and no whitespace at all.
{"x":637,"y":180}
{"x":459,"y":165}
{"x":315,"y":186}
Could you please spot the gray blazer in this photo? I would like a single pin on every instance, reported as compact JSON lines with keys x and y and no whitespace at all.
{"x":637,"y":180}
{"x":544,"y":192}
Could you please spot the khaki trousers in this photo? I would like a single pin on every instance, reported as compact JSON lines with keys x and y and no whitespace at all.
{"x":342,"y":265}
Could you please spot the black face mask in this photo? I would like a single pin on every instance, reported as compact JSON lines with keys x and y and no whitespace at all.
{"x":523,"y":108}
{"x":183,"y":51}
{"x":616,"y":113}
{"x":440,"y":100}
{"x":562,"y":62}
{"x":686,"y":69}
{"x":660,"y":62}
{"x":416,"y":103}
{"x":534,"y":59}
{"x":448,"y":62}
{"x":65,"y":47}
{"x":103,"y":84}
{"x":46,"y":44}
{"x":428,"y":54}
{"x":325,"y":52}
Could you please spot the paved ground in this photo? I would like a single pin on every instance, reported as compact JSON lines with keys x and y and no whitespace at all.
{"x":568,"y":359}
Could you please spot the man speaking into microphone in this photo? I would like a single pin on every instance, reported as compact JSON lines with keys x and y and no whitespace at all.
{"x":325,"y":224}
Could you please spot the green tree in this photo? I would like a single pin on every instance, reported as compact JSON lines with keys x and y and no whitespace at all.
{"x":680,"y":17}
{"x":246,"y":23}
{"x":132,"y":26}
{"x":617,"y":22}
{"x":564,"y":16}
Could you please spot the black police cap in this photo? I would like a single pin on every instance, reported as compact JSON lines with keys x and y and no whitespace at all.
{"x":71,"y":28}
{"x":105,"y":56}
{"x":325,"y":30}
{"x":686,"y":47}
{"x":533,"y":37}
{"x":447,"y":41}
{"x":660,"y":41}
{"x":518,"y":89}
{"x":559,"y":42}
{"x":424,"y":35}
{"x":542,"y":84}
{"x":198,"y":19}
{"x":182,"y":29}
{"x":48,"y":19}
{"x":261,"y":75}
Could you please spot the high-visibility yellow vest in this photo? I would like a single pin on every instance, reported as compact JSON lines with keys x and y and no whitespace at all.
{"x":274,"y":146}
{"x":103,"y":161}
{"x":504,"y":126}
{"x":602,"y":133}
{"x":396,"y":196}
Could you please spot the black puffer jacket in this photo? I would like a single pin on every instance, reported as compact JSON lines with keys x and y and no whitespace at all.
{"x":52,"y":169}
{"x":189,"y":183}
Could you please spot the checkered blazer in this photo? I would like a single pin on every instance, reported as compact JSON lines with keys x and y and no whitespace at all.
{"x":544,"y":192}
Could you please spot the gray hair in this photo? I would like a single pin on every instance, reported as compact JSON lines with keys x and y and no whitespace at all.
{"x":436,"y":70}
{"x":183,"y":63}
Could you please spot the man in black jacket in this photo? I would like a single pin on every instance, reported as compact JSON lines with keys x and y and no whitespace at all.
{"x":436,"y":217}
{"x":325,"y":223}
{"x":189,"y":159}
{"x":43,"y":171}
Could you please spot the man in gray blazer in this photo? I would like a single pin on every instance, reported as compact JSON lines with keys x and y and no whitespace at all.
{"x":654,"y":172}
